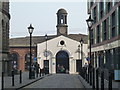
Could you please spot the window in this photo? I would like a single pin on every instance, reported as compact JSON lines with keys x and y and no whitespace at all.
{"x":108,"y":7}
{"x":14,"y":58}
{"x":92,"y":37}
{"x":101,"y":9}
{"x":61,"y":21}
{"x":104,"y":31}
{"x":98,"y":34}
{"x":94,"y":15}
{"x":113,"y":32}
{"x":27,"y":61}
{"x":91,"y":3}
{"x":62,"y":42}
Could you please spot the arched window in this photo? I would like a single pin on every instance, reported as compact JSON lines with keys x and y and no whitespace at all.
{"x":14,"y":57}
{"x":27,"y":61}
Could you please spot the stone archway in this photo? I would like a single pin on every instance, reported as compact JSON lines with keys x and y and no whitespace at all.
{"x":62,"y":62}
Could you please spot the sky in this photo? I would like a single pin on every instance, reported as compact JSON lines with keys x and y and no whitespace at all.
{"x":42,"y":15}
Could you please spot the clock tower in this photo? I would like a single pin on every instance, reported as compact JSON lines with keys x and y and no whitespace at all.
{"x":62,"y":22}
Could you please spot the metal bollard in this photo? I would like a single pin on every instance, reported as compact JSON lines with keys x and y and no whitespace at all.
{"x":93,"y":83}
{"x":97,"y":79}
{"x":102,"y":80}
{"x":110,"y":81}
{"x":90,"y":76}
{"x":2,"y":88}
{"x":40,"y":72}
{"x":12,"y":78}
{"x":20,"y":76}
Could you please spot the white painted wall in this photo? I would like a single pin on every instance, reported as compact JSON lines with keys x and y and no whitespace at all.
{"x":53,"y":45}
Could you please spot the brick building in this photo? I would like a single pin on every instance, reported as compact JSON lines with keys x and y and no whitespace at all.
{"x":19,"y":47}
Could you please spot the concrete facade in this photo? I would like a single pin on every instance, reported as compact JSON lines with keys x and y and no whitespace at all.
{"x":54,"y":46}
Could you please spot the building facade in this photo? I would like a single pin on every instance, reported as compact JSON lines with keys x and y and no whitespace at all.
{"x":4,"y":37}
{"x":105,"y":36}
{"x":62,"y":49}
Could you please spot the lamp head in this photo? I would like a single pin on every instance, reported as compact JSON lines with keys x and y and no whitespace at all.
{"x":46,"y":36}
{"x":81,"y":41}
{"x":89,"y":22}
{"x":30,"y":29}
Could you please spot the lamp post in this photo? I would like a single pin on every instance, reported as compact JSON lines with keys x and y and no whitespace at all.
{"x":46,"y":38}
{"x":46,"y":53}
{"x":81,"y":42}
{"x":90,"y":23}
{"x":78,"y":51}
{"x":30,"y":30}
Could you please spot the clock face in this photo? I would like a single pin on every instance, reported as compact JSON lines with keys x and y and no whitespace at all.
{"x":62,"y":30}
{"x":46,"y":53}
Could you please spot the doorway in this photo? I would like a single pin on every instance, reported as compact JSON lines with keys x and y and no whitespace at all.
{"x":46,"y":66}
{"x":62,"y":62}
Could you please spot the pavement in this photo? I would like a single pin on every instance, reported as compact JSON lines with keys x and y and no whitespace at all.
{"x":115,"y":84}
{"x":53,"y":81}
{"x":25,"y":81}
{"x":59,"y":81}
{"x":70,"y":81}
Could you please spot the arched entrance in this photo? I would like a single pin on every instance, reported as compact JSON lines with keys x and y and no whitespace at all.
{"x":62,"y":62}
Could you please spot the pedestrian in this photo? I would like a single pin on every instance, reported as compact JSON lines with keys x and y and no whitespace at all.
{"x":62,"y":69}
{"x":37,"y":69}
{"x":85,"y":69}
{"x":33,"y":71}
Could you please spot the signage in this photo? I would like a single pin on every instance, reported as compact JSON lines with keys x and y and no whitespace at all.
{"x":35,"y":59}
{"x":88,"y":59}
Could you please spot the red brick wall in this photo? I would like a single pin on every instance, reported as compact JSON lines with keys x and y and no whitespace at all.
{"x":21,"y":56}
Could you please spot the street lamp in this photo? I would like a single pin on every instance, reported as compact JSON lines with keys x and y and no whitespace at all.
{"x":30,"y":30}
{"x":46,"y":38}
{"x":78,"y":51}
{"x":89,"y":23}
{"x":81,"y":42}
{"x":46,"y":53}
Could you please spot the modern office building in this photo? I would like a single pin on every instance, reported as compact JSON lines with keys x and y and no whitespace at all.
{"x":105,"y":36}
{"x":4,"y":37}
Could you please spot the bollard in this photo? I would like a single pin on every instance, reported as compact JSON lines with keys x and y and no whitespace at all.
{"x":90,"y":76}
{"x":12,"y":78}
{"x":93,"y":83}
{"x":40,"y":72}
{"x":20,"y":76}
{"x":97,"y":79}
{"x":2,"y":88}
{"x":102,"y":80}
{"x":110,"y":81}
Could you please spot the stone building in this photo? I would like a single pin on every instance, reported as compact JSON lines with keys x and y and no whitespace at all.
{"x":105,"y":34}
{"x":62,"y":49}
{"x":4,"y":37}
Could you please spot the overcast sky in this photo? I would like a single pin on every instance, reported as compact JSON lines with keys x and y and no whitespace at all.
{"x":44,"y":19}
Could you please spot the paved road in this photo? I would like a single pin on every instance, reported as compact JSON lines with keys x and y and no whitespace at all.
{"x":58,"y":81}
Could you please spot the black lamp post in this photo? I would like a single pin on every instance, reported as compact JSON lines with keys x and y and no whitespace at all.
{"x":78,"y":51}
{"x":30,"y":30}
{"x":90,"y":23}
{"x":81,"y":42}
{"x":46,"y":38}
